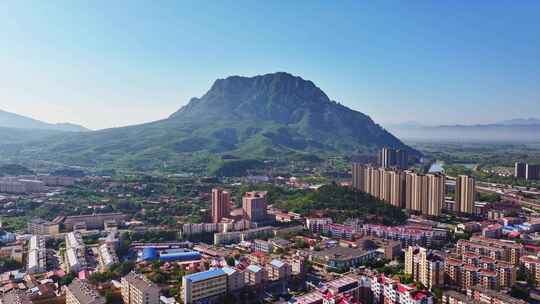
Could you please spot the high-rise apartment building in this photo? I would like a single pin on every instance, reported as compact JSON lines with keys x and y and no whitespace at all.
{"x":387,"y":157}
{"x":520,"y":170}
{"x":402,"y":159}
{"x":532,"y":172}
{"x":403,"y":189}
{"x":220,"y":204}
{"x":397,"y":188}
{"x":386,"y":185}
{"x":254,"y":205}
{"x":424,"y":266}
{"x":393,"y":158}
{"x":358,"y":177}
{"x":436,"y":191}
{"x":137,"y":289}
{"x":464,"y":194}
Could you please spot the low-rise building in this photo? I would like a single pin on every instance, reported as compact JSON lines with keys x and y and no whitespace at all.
{"x":531,"y":264}
{"x":245,"y":235}
{"x":106,"y":257}
{"x":42,"y":227}
{"x":80,"y":292}
{"x":254,"y":275}
{"x":37,"y":255}
{"x":263,"y":246}
{"x":235,"y":279}
{"x":318,"y":225}
{"x":15,"y":296}
{"x":278,"y":270}
{"x":208,"y":286}
{"x":75,"y":254}
{"x":137,"y":289}
{"x":484,"y":295}
{"x":343,"y":257}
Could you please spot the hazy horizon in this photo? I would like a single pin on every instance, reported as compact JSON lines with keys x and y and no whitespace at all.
{"x":104,"y":64}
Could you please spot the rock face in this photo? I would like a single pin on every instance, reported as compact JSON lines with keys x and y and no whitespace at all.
{"x":273,"y":116}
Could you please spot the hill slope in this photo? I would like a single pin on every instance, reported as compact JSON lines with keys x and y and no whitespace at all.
{"x":273,"y":116}
{"x":12,"y":120}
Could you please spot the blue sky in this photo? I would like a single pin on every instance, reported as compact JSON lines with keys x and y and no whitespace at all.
{"x":114,"y":63}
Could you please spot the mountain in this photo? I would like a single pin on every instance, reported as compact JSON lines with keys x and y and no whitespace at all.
{"x":507,"y":131}
{"x":245,"y":119}
{"x":12,"y":120}
{"x":520,"y":121}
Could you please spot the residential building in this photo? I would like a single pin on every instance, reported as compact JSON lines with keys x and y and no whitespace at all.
{"x":478,"y":295}
{"x":390,"y":158}
{"x":14,"y":252}
{"x":473,"y":269}
{"x":245,"y":235}
{"x":278,"y":270}
{"x":263,"y":246}
{"x":42,"y":227}
{"x":298,"y":265}
{"x":386,"y":290}
{"x":407,"y":235}
{"x":220,"y":204}
{"x":358,"y":177}
{"x":318,"y":225}
{"x":254,"y":206}
{"x":531,"y":264}
{"x":207,"y":286}
{"x":80,"y":292}
{"x":343,"y":257}
{"x":508,"y":251}
{"x":137,"y":289}
{"x":15,"y":296}
{"x":464,"y":194}
{"x":436,"y":192}
{"x":532,"y":172}
{"x":106,"y":257}
{"x":235,"y":279}
{"x":94,"y":221}
{"x":482,"y":295}
{"x":424,"y":266}
{"x":520,"y":170}
{"x":75,"y":254}
{"x":254,"y":275}
{"x":37,"y":255}
{"x":397,"y":188}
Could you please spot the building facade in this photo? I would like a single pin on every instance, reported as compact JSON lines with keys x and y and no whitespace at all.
{"x":137,"y":289}
{"x":220,"y":204}
{"x":465,"y":194}
{"x":208,"y":286}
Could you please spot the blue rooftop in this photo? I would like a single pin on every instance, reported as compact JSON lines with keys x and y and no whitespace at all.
{"x":205,"y":275}
{"x":277,"y":263}
{"x":228,"y":270}
{"x":254,"y":268}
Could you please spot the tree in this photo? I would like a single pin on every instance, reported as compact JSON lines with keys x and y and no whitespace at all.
{"x":67,"y":279}
{"x":520,"y":293}
{"x":109,"y":297}
{"x":230,"y":261}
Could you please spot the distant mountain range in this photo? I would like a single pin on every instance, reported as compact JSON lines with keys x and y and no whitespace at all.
{"x":516,"y":130}
{"x":270,"y":117}
{"x":12,"y":120}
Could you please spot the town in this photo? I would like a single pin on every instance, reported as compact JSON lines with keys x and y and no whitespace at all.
{"x":383,"y":232}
